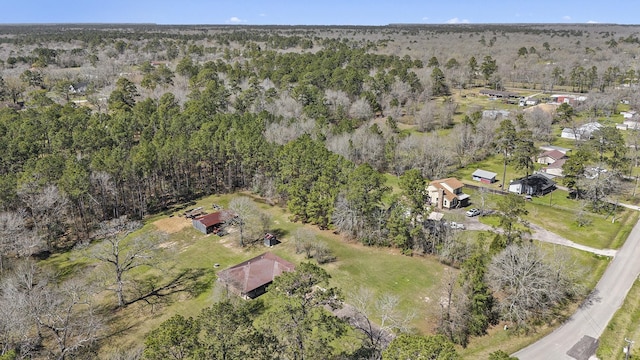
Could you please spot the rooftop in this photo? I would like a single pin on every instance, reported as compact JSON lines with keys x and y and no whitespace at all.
{"x":256,"y":272}
{"x":484,"y":174}
{"x":215,"y":218}
{"x":451,"y":182}
{"x":554,"y":154}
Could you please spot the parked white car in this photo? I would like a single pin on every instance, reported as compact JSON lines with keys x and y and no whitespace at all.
{"x":456,"y":226}
{"x":473,"y":212}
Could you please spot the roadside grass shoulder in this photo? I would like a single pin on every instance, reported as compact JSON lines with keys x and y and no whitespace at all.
{"x":557,"y":213}
{"x":623,"y":325}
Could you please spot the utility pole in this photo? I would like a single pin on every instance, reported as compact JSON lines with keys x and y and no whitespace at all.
{"x":627,"y":348}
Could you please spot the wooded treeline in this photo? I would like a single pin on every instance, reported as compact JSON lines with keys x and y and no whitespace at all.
{"x":140,"y":155}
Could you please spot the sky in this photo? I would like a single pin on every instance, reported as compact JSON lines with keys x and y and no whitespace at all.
{"x":319,"y":12}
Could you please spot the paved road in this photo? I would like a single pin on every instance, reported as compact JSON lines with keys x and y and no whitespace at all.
{"x":588,"y":323}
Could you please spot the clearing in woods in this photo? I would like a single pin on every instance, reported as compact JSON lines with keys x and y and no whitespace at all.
{"x":172,"y":225}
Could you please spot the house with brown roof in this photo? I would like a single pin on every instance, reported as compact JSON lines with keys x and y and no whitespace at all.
{"x":550,"y":156}
{"x":251,"y":278}
{"x":447,"y":193}
{"x":555,"y":169}
{"x":212,"y":223}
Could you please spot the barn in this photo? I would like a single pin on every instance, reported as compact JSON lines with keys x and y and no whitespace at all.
{"x":212,"y":223}
{"x":484,"y":176}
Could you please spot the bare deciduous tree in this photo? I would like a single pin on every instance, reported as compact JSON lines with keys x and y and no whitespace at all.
{"x":16,"y":310}
{"x":345,"y":218}
{"x":454,"y":310}
{"x":377,"y":317}
{"x":360,"y":109}
{"x":67,"y":316}
{"x":15,"y":238}
{"x":539,"y":122}
{"x":251,"y":222}
{"x":307,"y":242}
{"x":337,"y":101}
{"x":364,"y":145}
{"x":284,"y":132}
{"x":287,"y":107}
{"x":449,"y":108}
{"x":527,"y":284}
{"x":122,"y":253}
{"x":11,"y":225}
{"x":425,"y":118}
{"x":48,"y":207}
{"x":599,"y":186}
{"x":104,"y":189}
{"x":43,"y":318}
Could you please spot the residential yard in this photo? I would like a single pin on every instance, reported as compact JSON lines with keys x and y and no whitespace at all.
{"x":494,"y":164}
{"x":557,"y":213}
{"x":417,"y":281}
{"x":606,"y":231}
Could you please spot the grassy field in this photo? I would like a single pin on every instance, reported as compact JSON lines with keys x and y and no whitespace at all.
{"x":624,"y":325}
{"x":494,"y":164}
{"x":603,"y":232}
{"x":415,"y":280}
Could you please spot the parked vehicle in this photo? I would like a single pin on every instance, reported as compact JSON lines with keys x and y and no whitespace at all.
{"x":473,"y":212}
{"x":456,"y":226}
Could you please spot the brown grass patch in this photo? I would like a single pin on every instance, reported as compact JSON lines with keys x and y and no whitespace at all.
{"x":548,"y":108}
{"x":172,"y":225}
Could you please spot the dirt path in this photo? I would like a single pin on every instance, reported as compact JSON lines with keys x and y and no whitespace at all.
{"x":541,"y":234}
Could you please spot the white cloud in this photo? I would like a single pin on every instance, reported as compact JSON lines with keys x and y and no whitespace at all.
{"x":566,"y":17}
{"x":592,"y":22}
{"x":236,"y":20}
{"x":425,"y":18}
{"x":455,"y":20}
{"x":263,"y":15}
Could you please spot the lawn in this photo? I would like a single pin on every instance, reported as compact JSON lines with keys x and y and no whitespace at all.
{"x":557,"y":213}
{"x":494,"y":164}
{"x":393,"y":182}
{"x":603,"y":232}
{"x":415,"y":280}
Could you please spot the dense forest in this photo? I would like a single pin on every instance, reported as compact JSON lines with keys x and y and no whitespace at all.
{"x":105,"y":122}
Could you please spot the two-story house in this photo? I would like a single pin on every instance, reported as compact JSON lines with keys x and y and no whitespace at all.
{"x":447,"y":193}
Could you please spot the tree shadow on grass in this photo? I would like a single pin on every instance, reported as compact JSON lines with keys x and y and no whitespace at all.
{"x":154,"y":290}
